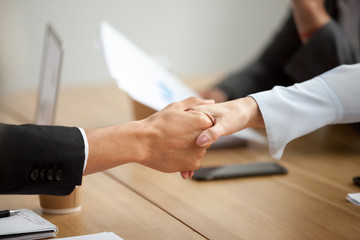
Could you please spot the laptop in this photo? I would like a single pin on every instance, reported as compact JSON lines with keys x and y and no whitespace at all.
{"x":49,"y":78}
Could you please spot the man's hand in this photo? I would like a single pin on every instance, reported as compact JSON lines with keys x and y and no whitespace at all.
{"x":229,"y":117}
{"x":165,"y":141}
{"x":169,"y":137}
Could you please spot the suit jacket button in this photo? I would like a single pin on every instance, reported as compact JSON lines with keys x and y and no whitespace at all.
{"x":50,"y":175}
{"x":58,"y":175}
{"x":43,"y":174}
{"x":34,"y":174}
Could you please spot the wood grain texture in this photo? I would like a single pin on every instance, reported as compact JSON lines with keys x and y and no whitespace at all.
{"x":307,"y":203}
{"x":109,"y":206}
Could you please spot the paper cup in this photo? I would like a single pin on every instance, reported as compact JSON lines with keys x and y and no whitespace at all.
{"x":62,"y":204}
{"x":140,"y":111}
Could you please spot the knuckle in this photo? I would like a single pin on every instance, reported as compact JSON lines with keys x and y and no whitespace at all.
{"x":197,"y":164}
{"x":205,"y":120}
{"x":193,"y":99}
{"x":212,"y":133}
{"x":173,"y":105}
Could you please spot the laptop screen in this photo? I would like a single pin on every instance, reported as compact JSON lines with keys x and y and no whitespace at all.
{"x":49,"y":78}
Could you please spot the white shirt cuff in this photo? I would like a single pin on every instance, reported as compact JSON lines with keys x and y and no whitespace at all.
{"x":86,"y":147}
{"x":294,"y":111}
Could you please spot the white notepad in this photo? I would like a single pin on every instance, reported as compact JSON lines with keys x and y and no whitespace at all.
{"x":96,"y":236}
{"x":26,"y":225}
{"x":354,"y":198}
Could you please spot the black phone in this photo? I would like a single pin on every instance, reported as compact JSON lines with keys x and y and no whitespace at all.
{"x":356,"y":181}
{"x":239,"y":170}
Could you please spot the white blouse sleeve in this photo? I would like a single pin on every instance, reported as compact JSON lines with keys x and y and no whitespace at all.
{"x":291,"y":112}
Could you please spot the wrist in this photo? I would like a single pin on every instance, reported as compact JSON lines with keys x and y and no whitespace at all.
{"x":255,"y":117}
{"x":113,"y":146}
{"x":135,"y":135}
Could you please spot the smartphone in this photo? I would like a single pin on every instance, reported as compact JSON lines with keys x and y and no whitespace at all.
{"x":356,"y":181}
{"x":239,"y":170}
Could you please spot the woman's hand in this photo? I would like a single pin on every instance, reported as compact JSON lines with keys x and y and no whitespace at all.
{"x":229,"y":117}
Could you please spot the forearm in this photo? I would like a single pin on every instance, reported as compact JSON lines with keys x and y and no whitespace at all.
{"x":309,"y":16}
{"x":165,"y":141}
{"x":302,"y":108}
{"x":113,"y":146}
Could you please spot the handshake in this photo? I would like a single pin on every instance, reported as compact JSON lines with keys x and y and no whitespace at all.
{"x":173,"y":139}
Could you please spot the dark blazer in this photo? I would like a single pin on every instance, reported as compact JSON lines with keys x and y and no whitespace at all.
{"x":285,"y":60}
{"x":40,"y":159}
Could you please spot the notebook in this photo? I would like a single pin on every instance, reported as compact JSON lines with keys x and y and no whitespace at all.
{"x":96,"y":236}
{"x":26,"y":225}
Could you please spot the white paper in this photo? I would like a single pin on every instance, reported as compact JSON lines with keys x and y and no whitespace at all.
{"x":96,"y":236}
{"x":146,"y":81}
{"x":354,"y":198}
{"x":26,"y":221}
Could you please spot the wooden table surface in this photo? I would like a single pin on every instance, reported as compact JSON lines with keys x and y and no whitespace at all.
{"x":109,"y":207}
{"x":307,"y":203}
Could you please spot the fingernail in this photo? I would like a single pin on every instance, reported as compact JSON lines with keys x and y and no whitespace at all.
{"x":202,"y":140}
{"x":184,"y":175}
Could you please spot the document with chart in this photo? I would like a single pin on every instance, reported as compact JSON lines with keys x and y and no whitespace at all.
{"x":144,"y":79}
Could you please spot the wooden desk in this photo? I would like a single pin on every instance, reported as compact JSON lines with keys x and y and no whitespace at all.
{"x":307,"y":203}
{"x":109,"y":206}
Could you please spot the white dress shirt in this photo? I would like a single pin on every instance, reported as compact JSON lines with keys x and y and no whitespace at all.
{"x":291,"y":112}
{"x":86,"y":147}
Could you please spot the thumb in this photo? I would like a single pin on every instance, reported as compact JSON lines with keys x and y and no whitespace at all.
{"x":209,"y":136}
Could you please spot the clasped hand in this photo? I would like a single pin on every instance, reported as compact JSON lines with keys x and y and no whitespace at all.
{"x":180,"y":134}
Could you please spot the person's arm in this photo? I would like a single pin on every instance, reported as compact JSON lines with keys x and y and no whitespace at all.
{"x":289,"y":112}
{"x":292,"y":112}
{"x":50,"y":159}
{"x":38,"y":159}
{"x":266,"y":71}
{"x":310,"y":16}
{"x":325,"y":44}
{"x":164,"y":141}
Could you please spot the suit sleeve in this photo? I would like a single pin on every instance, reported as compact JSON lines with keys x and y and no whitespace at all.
{"x":291,"y":112}
{"x":40,"y":159}
{"x":327,"y":48}
{"x":286,"y":60}
{"x":268,"y":69}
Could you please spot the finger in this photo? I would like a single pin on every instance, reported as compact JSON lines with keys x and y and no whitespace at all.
{"x":187,"y":103}
{"x":209,"y":136}
{"x":184,"y":174}
{"x":191,"y":174}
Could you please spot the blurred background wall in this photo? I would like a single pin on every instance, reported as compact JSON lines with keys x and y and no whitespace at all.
{"x":191,"y":37}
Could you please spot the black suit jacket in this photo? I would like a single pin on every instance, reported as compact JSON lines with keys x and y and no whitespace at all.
{"x":40,"y":159}
{"x":285,"y":60}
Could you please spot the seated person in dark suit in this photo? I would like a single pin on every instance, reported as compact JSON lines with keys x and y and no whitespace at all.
{"x":52,"y":159}
{"x":318,"y":35}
